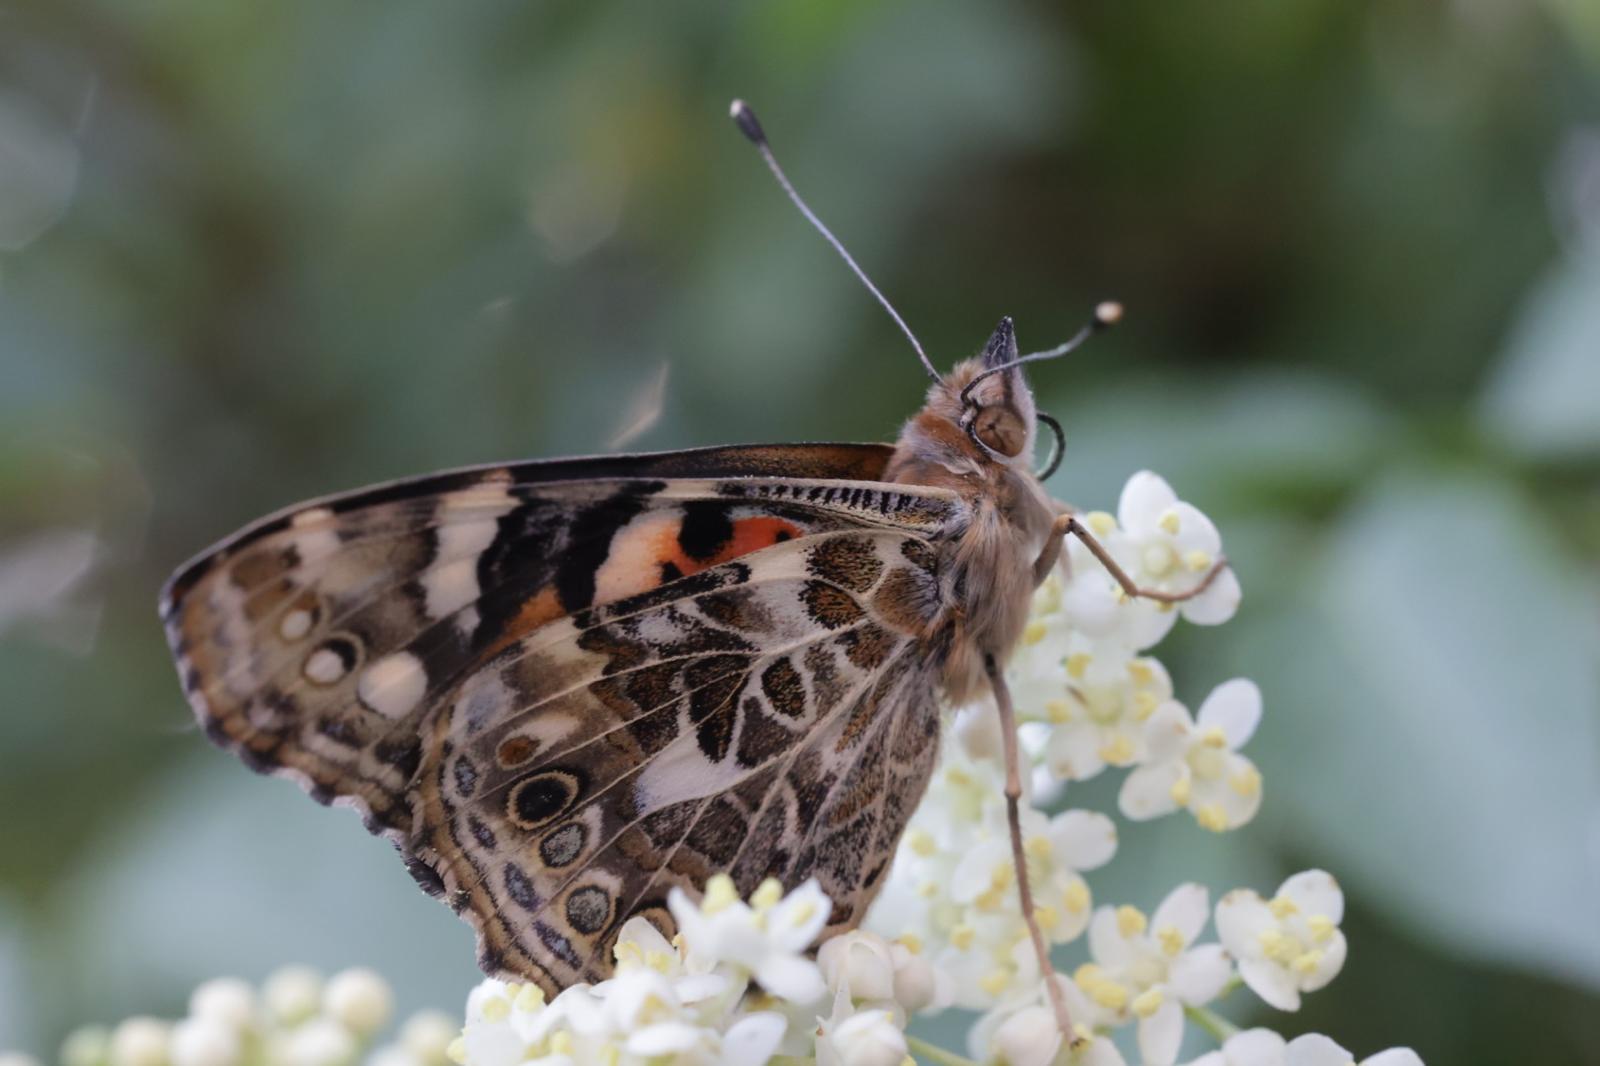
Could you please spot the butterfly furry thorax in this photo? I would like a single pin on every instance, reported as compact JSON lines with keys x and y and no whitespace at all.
{"x":563,"y":688}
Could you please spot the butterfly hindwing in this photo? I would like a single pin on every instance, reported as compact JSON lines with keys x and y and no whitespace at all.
{"x":758,"y":717}
{"x":563,"y":687}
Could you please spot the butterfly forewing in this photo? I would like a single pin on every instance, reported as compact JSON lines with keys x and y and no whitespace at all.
{"x":564,"y":687}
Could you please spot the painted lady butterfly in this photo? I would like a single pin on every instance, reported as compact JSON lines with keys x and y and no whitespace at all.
{"x":562,"y":688}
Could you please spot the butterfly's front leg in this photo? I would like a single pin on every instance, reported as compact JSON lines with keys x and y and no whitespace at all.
{"x":1068,"y":524}
{"x":1019,"y":857}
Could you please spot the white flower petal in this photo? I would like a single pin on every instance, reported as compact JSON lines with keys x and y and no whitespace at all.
{"x":1210,"y":1058}
{"x":1395,"y":1056}
{"x":1168,"y":732}
{"x":1255,"y":1047}
{"x":753,"y":1038}
{"x":1147,"y":792}
{"x":665,"y":1038}
{"x":1074,"y":751}
{"x":1314,"y":1049}
{"x":1242,"y":916}
{"x":1161,"y":1033}
{"x":1271,"y":982}
{"x":792,"y":978}
{"x":1199,"y":975}
{"x":1101,"y":1052}
{"x":1083,"y":840}
{"x":1315,"y":892}
{"x":1144,"y":499}
{"x":1329,"y":963}
{"x":1106,"y":943}
{"x":1185,"y":909}
{"x":1235,"y":708}
{"x":1217,"y":603}
{"x":1195,"y":532}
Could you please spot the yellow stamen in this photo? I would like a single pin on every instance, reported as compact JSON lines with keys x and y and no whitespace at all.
{"x":496,"y":1009}
{"x":767,"y":894}
{"x":990,"y":899}
{"x":1282,"y":907}
{"x":1212,"y":817}
{"x":720,"y":894}
{"x":1322,"y":928}
{"x":531,"y":998}
{"x":1078,"y":665}
{"x":1148,"y":1002}
{"x":1119,"y":752}
{"x":1047,"y":917}
{"x":1169,"y":522}
{"x":912,"y":941}
{"x":1131,"y":920}
{"x":1307,"y":962}
{"x":1246,"y":782}
{"x":1145,"y":703}
{"x":1140,"y":673}
{"x":560,"y":1042}
{"x":1180,"y":792}
{"x":921,"y":842}
{"x":1214,"y":737}
{"x":1076,"y":897}
{"x":994,"y":982}
{"x":1197,"y":560}
{"x":456,"y":1052}
{"x":802,"y":913}
{"x":1035,"y":632}
{"x":1100,"y":523}
{"x":961,"y":936}
{"x":1038,"y":847}
{"x":928,"y":889}
{"x":1059,"y":711}
{"x":1171,"y":940}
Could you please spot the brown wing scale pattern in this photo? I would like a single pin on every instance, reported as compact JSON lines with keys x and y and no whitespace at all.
{"x":562,"y":688}
{"x":752,"y":718}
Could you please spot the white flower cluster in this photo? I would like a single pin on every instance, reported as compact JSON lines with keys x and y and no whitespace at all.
{"x":739,"y":985}
{"x":735,"y":987}
{"x":296,"y":1018}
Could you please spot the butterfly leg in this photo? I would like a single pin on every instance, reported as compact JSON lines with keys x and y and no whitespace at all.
{"x":1019,"y":857}
{"x":1068,"y":524}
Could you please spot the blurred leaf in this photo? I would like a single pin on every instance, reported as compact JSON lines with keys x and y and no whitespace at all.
{"x":1434,"y":721}
{"x":220,"y":872}
{"x":1545,"y":397}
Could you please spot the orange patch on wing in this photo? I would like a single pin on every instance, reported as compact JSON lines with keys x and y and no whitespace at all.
{"x":749,"y":535}
{"x":544,"y":606}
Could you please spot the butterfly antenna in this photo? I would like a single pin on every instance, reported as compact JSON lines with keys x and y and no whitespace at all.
{"x":748,"y":125}
{"x":1106,"y":314}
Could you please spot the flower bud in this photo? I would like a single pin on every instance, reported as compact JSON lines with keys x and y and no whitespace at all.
{"x":139,"y":1042}
{"x":293,"y":994}
{"x":359,"y":1000}
{"x":860,"y":962}
{"x":1029,"y":1037}
{"x":89,"y":1046}
{"x":915,"y":981}
{"x":427,"y":1035}
{"x":868,"y":1039}
{"x":228,"y":1000}
{"x":204,"y":1041}
{"x":320,"y":1042}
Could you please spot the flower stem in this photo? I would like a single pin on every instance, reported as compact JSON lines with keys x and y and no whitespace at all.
{"x":1212,"y":1022}
{"x":936,"y":1054}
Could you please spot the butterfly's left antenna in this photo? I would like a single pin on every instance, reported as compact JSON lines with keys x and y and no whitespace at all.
{"x":746,"y":120}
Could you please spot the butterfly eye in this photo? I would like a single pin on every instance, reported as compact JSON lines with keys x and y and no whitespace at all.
{"x":1000,"y":430}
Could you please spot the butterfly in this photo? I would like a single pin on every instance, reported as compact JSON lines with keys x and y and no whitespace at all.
{"x":564,"y":688}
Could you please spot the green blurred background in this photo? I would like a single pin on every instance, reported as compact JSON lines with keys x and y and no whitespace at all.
{"x":252,"y":252}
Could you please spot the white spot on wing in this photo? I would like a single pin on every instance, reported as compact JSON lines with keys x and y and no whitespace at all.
{"x":634,"y":562}
{"x":452,"y":582}
{"x":682,"y":772}
{"x":315,"y":539}
{"x":324,"y":667}
{"x":295,"y":624}
{"x":393,"y":685}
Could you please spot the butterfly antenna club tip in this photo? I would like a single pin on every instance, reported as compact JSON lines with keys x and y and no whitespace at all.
{"x":1107,"y":313}
{"x":747,"y":122}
